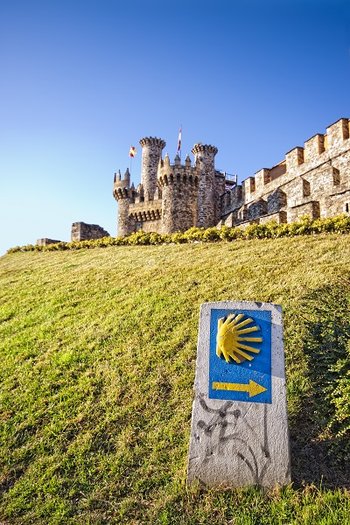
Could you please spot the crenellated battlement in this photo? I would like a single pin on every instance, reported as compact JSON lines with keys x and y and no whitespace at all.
{"x":121,"y":186}
{"x":312,"y":179}
{"x":316,"y":149}
{"x":298,"y":160}
{"x":169,"y":174}
{"x":145,"y":211}
{"x":153,"y":141}
{"x":204,"y":148}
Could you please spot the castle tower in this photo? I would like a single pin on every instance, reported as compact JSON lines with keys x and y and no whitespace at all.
{"x":204,"y":160}
{"x":179,"y":186}
{"x":123,"y":194}
{"x":151,"y":154}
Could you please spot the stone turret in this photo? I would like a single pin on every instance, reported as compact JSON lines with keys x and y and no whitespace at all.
{"x":179,"y":185}
{"x":313,"y":180}
{"x":204,"y":161}
{"x":123,"y":193}
{"x":151,"y":155}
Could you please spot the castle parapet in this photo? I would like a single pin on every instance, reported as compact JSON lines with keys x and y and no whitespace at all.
{"x":248,"y":186}
{"x":145,"y":211}
{"x":337,"y":133}
{"x":176,"y":173}
{"x":262,"y":177}
{"x":153,"y":141}
{"x":317,"y":149}
{"x":205,"y":149}
{"x":179,"y":186}
{"x":173,"y":196}
{"x":294,"y":158}
{"x":314,"y":147}
{"x":121,"y":187}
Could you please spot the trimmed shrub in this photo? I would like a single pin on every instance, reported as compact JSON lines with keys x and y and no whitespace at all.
{"x":304,"y":226}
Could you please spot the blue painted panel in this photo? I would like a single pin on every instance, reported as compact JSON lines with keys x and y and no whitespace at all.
{"x":258,"y":370}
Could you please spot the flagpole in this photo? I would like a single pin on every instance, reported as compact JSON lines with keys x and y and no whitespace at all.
{"x":179,"y":141}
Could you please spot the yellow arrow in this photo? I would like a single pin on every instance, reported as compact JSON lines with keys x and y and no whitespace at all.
{"x":252,"y":388}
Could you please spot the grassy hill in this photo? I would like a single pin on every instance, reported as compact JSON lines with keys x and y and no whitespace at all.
{"x":98,"y":351}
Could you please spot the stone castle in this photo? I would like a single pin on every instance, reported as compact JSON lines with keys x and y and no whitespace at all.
{"x":312,"y":180}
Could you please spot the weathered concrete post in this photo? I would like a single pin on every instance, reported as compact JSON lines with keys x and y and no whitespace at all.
{"x":239,"y":433}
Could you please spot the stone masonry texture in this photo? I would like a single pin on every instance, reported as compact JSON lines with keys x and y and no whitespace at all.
{"x":312,"y":180}
{"x":45,"y":241}
{"x":83,"y":232}
{"x":151,"y":154}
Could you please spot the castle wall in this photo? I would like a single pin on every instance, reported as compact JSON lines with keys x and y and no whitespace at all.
{"x":235,"y":198}
{"x":45,"y":241}
{"x":311,"y":208}
{"x":276,"y":201}
{"x":219,"y":195}
{"x":150,"y":226}
{"x":257,"y":209}
{"x":124,"y":224}
{"x":178,"y":210}
{"x":179,"y":186}
{"x":279,"y":217}
{"x":313,"y":180}
{"x":83,"y":232}
{"x":145,"y":215}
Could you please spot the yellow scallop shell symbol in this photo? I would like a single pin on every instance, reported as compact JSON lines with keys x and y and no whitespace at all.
{"x":232,"y":338}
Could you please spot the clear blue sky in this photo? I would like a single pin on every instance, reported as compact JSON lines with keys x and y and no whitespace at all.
{"x":83,"y":80}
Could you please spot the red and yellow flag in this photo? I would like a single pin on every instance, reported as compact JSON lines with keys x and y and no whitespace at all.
{"x":132,"y":152}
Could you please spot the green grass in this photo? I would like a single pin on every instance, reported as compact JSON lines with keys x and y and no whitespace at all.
{"x":98,"y":351}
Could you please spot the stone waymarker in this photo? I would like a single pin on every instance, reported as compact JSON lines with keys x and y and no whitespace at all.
{"x":239,"y":433}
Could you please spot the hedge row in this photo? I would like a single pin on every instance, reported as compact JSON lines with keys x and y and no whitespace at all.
{"x":305,"y":226}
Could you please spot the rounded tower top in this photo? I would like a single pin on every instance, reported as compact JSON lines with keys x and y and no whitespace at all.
{"x":152,"y":141}
{"x":204,"y":148}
